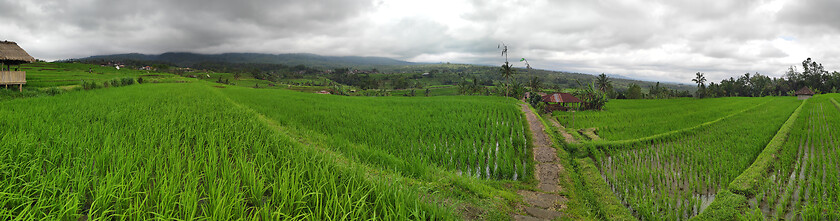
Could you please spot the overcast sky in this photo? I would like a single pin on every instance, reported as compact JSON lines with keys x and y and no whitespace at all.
{"x":664,"y":40}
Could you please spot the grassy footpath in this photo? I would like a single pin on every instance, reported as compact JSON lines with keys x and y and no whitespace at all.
{"x":577,"y":206}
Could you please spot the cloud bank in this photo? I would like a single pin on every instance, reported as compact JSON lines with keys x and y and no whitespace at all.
{"x":660,"y":40}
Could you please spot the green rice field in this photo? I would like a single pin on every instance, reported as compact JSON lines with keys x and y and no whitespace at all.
{"x":180,"y":148}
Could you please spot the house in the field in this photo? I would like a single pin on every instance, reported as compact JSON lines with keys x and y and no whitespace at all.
{"x":559,"y":101}
{"x":12,"y":55}
{"x":804,"y":93}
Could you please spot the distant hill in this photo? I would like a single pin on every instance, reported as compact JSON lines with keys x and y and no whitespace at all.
{"x":312,"y":60}
{"x":454,"y":72}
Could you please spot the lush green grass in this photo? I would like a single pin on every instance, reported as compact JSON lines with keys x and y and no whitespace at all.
{"x":175,"y":151}
{"x":480,"y":136}
{"x":677,"y":178}
{"x":633,"y":119}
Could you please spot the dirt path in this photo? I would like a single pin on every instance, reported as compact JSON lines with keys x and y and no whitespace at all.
{"x":560,"y":128}
{"x":545,"y":203}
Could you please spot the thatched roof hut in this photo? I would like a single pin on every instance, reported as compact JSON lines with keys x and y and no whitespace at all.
{"x":12,"y":54}
{"x":804,"y":93}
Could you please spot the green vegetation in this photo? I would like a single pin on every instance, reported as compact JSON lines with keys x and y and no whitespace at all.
{"x":633,"y":119}
{"x":45,"y":75}
{"x":726,"y":206}
{"x":101,"y":143}
{"x":804,"y":182}
{"x":488,"y":139}
{"x":670,"y":159}
{"x":604,"y":200}
{"x":747,"y":181}
{"x":162,"y":151}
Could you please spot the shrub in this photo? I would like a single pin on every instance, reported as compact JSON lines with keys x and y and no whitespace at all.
{"x":116,"y":83}
{"x":54,"y":91}
{"x":89,"y":85}
{"x":127,"y":81}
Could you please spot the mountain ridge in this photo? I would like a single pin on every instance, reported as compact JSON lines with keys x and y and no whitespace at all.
{"x":291,"y":59}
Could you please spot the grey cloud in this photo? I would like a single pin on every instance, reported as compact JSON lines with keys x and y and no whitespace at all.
{"x":813,"y":12}
{"x":661,"y":39}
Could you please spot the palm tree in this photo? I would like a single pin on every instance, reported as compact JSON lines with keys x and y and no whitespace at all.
{"x":700,"y":80}
{"x":701,"y":84}
{"x":507,"y":70}
{"x":603,"y":82}
{"x":535,"y":83}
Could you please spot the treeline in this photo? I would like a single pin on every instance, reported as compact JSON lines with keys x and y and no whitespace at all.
{"x":813,"y":76}
{"x":262,"y":71}
{"x":654,"y":92}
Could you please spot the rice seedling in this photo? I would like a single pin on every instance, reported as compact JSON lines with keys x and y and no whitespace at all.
{"x":804,"y":183}
{"x":175,"y":151}
{"x":632,"y":119}
{"x":676,"y":179}
{"x":489,"y":139}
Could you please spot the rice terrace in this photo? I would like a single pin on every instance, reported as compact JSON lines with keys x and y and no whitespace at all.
{"x":455,"y":110}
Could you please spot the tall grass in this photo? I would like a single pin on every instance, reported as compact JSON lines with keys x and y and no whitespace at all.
{"x":632,"y":119}
{"x":805,"y":178}
{"x":167,"y":151}
{"x":483,"y":137}
{"x":678,"y":178}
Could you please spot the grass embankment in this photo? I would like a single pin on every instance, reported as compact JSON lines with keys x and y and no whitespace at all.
{"x":602,"y":199}
{"x":163,"y":151}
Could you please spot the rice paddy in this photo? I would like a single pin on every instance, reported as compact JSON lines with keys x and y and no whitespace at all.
{"x":206,"y":151}
{"x":677,"y":179}
{"x":174,"y":151}
{"x":633,"y":119}
{"x":804,"y":183}
{"x":483,"y":137}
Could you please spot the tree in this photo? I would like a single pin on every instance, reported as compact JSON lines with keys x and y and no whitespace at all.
{"x":591,"y":99}
{"x":634,"y":91}
{"x":507,"y":70}
{"x":701,"y":84}
{"x":603,"y":82}
{"x":527,"y":65}
{"x":535,"y":83}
